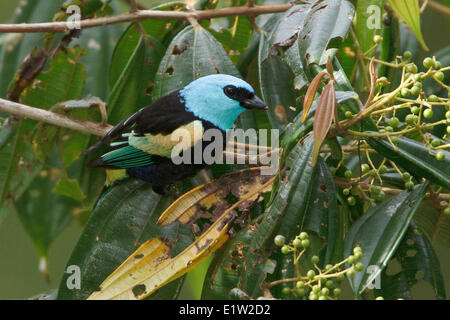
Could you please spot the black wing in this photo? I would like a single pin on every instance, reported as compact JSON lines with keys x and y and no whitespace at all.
{"x":163,"y":116}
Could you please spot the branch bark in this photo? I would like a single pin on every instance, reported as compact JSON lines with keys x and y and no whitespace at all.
{"x":139,"y":15}
{"x":24,"y":111}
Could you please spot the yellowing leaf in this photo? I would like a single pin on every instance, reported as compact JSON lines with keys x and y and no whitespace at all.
{"x":408,"y":10}
{"x":151,"y":266}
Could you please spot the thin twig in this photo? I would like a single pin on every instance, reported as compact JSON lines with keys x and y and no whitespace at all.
{"x":62,"y":26}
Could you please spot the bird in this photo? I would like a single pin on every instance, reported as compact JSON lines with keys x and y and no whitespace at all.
{"x":141,"y":145}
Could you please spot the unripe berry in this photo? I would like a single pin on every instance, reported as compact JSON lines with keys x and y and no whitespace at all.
{"x":409,"y":185}
{"x":428,"y":113}
{"x":407,"y":54}
{"x":394,"y":122}
{"x":406,"y":176}
{"x":303,"y":235}
{"x":359,"y":267}
{"x":415,"y":110}
{"x":325,"y":292}
{"x":348,"y":114}
{"x":348,"y":174}
{"x":351,"y":201}
{"x":315,"y":260}
{"x":428,"y":62}
{"x":439,"y":75}
{"x":279,"y":240}
{"x":440,"y":156}
{"x":299,"y":284}
{"x":351,"y":273}
{"x":405,"y":92}
{"x":337,"y":292}
{"x":351,"y":259}
{"x":286,"y":291}
{"x":447,"y":211}
{"x":310,"y":274}
{"x":305,"y":243}
{"x":297,"y":243}
{"x":346,"y":192}
{"x":435,"y":143}
{"x":412,"y":68}
{"x":377,"y":39}
{"x":365,"y":168}
{"x":432,"y":98}
{"x":285,"y":249}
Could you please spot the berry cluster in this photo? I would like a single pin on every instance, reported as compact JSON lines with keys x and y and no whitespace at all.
{"x":317,"y":283}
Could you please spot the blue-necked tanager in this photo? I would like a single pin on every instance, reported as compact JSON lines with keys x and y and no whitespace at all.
{"x":141,"y":145}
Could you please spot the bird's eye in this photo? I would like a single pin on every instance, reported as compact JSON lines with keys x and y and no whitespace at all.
{"x":230,"y":91}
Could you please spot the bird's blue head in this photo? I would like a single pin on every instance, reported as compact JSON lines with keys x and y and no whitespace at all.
{"x":220,"y":99}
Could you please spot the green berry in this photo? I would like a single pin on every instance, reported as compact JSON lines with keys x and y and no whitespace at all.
{"x":358,"y":255}
{"x":305,"y":243}
{"x":394,"y":140}
{"x":418,"y":77}
{"x":448,"y":129}
{"x":299,"y":284}
{"x":428,"y":62}
{"x":365,"y":168}
{"x":348,"y":174}
{"x":440,"y":156}
{"x":346,"y":192}
{"x":435,"y":143}
{"x":351,"y":201}
{"x":418,"y":85}
{"x":415,"y":110}
{"x":350,"y":273}
{"x":428,"y":113}
{"x":351,"y":259}
{"x":407,"y":54}
{"x":279,"y":240}
{"x":315,"y":260}
{"x":299,"y":292}
{"x":303,"y":235}
{"x":412,"y":68}
{"x":394,"y":122}
{"x":432,"y":98}
{"x":409,"y":185}
{"x":340,"y":277}
{"x":406,"y":176}
{"x":329,"y":284}
{"x":405,"y":92}
{"x":328,"y":267}
{"x":311,"y":274}
{"x":379,"y":298}
{"x":447,"y":211}
{"x":325,"y":292}
{"x":297,"y":243}
{"x":437,"y":65}
{"x":313,"y":296}
{"x":316,"y":288}
{"x":359,"y":267}
{"x":389,"y":129}
{"x":383,"y":169}
{"x":415,"y":90}
{"x":439,"y":75}
{"x":286,"y":291}
{"x":447,"y":121}
{"x":337,"y":292}
{"x":285,"y":250}
{"x":410,"y":119}
{"x":348,"y":114}
{"x":357,"y":249}
{"x":447,"y":114}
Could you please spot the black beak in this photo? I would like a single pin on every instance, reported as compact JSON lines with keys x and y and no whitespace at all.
{"x":254,"y":103}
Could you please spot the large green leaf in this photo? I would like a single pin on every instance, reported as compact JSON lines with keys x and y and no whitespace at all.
{"x":325,"y":21}
{"x":409,"y":11}
{"x":418,"y":262}
{"x":379,"y":232}
{"x":124,"y":219}
{"x":414,"y":157}
{"x":193,"y":53}
{"x":132,"y":73}
{"x":369,"y":18}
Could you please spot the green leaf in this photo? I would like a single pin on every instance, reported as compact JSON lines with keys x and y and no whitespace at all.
{"x":380,"y":231}
{"x":193,"y":53}
{"x":409,"y":11}
{"x":69,"y":188}
{"x":418,"y":262}
{"x":415,"y":158}
{"x":17,"y":46}
{"x":368,"y":13}
{"x":132,"y":72}
{"x":325,"y":21}
{"x":124,"y":219}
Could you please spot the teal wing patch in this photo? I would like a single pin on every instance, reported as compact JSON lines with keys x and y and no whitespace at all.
{"x":127,"y":157}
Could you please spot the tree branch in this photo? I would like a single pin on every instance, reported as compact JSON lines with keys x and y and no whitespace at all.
{"x":146,"y":14}
{"x":24,"y":111}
